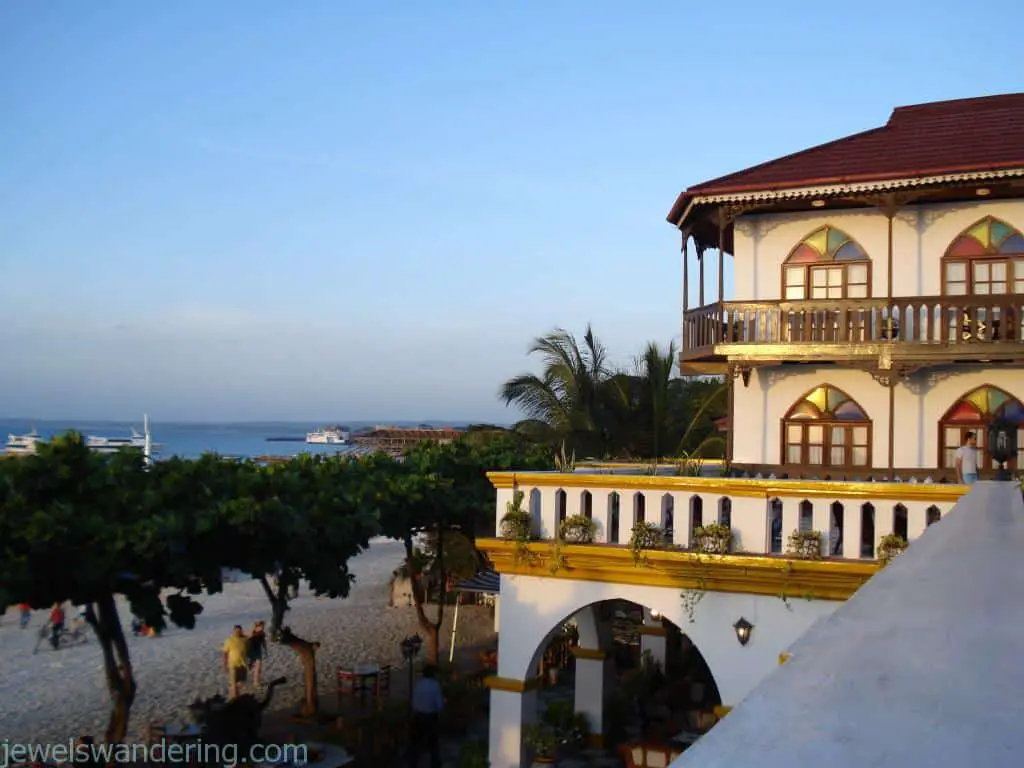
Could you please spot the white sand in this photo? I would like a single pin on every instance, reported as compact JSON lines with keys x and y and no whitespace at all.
{"x":54,"y":695}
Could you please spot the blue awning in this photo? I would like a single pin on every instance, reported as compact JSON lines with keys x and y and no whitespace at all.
{"x":487,"y":582}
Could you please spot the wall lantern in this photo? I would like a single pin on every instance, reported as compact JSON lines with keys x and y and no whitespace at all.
{"x":983,"y":192}
{"x":818,"y":203}
{"x":1002,"y":445}
{"x":743,"y":629}
{"x":655,"y":615}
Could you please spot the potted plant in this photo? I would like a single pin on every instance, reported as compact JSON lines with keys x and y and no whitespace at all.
{"x":714,"y":539}
{"x":578,"y":529}
{"x":644,"y":536}
{"x":889,"y":547}
{"x":517,"y":523}
{"x":473,"y":754}
{"x":805,"y":545}
{"x":543,"y":740}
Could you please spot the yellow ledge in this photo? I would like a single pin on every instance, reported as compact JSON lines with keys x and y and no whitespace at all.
{"x":748,"y":574}
{"x":732,"y":486}
{"x":511,"y":685}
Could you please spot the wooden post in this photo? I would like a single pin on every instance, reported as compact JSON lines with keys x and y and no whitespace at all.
{"x":731,"y":423}
{"x":892,"y":425}
{"x":721,"y":257}
{"x":700,"y":259}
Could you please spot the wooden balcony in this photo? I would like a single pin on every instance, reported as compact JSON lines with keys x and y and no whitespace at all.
{"x":921,"y":329}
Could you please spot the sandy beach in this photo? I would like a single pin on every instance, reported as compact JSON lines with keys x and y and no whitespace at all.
{"x":53,"y":695}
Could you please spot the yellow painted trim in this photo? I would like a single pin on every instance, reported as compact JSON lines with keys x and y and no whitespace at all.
{"x":721,"y":710}
{"x":733,"y":486}
{"x":783,"y":658}
{"x":511,"y":685}
{"x":746,"y":574}
{"x":588,"y":653}
{"x":653,"y":631}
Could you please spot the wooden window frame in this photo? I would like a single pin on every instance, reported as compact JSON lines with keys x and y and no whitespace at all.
{"x":810,"y":265}
{"x":969,"y":262}
{"x":827,"y":426}
{"x":981,"y":429}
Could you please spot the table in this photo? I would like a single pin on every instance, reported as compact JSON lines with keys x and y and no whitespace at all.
{"x":331,"y":756}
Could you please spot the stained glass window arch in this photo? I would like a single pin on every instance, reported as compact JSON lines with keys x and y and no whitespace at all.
{"x":986,"y":258}
{"x":828,"y":428}
{"x":827,"y":264}
{"x":974,"y":412}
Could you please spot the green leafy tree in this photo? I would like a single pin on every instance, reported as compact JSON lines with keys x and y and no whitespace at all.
{"x":76,"y":525}
{"x":299,"y":520}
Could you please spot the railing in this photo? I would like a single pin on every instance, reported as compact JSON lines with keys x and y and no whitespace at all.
{"x":853,"y":518}
{"x":924,"y":320}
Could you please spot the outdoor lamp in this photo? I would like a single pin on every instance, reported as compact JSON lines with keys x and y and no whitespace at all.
{"x":1002,"y":445}
{"x":655,"y":615}
{"x":743,"y":629}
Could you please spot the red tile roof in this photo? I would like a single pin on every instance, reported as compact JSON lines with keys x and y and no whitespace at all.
{"x":961,"y":136}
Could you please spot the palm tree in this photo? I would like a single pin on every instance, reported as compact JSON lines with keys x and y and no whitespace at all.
{"x":568,"y":401}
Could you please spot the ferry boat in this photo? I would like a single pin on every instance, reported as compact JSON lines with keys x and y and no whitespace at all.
{"x":112,"y":444}
{"x":20,"y":445}
{"x":328,"y":436}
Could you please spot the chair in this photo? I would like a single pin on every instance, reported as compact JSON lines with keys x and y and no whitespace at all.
{"x":348,"y":684}
{"x":383,"y":683}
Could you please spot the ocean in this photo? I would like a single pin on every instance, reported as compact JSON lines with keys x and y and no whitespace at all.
{"x":190,"y":440}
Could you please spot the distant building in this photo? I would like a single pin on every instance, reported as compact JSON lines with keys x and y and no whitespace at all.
{"x":399,"y":439}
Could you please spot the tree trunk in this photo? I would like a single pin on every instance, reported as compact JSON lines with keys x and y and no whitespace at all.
{"x":306,"y":651}
{"x":117,"y":665}
{"x":432,"y":629}
{"x":278,"y":603}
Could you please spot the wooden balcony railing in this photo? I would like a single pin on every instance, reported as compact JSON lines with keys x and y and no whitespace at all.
{"x":934,"y":321}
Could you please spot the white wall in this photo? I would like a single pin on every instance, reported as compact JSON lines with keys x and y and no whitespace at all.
{"x":534,"y":606}
{"x":760,"y":407}
{"x":921,"y":235}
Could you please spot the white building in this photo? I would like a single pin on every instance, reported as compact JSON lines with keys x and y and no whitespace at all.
{"x":879,"y":316}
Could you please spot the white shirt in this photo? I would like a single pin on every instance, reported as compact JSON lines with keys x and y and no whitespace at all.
{"x":968,"y":458}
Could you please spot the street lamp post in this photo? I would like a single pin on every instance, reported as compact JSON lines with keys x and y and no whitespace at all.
{"x":410,"y":649}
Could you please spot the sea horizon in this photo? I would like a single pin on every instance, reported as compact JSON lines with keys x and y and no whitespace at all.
{"x":231,"y":439}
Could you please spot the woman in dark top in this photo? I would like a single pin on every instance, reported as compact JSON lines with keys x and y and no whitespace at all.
{"x":256,"y":651}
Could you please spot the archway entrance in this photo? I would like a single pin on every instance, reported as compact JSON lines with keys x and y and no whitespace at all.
{"x":616,"y":677}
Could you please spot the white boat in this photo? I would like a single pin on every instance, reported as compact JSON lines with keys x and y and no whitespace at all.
{"x":328,"y":436}
{"x":19,"y":445}
{"x":112,"y":444}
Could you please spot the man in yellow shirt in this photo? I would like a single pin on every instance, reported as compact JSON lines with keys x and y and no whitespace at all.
{"x":235,"y":662}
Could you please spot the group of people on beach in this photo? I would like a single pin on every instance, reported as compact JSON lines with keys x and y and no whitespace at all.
{"x":57,"y":621}
{"x":242,"y":655}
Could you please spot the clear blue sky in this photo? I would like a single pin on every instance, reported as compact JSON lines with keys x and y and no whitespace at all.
{"x":326,"y":209}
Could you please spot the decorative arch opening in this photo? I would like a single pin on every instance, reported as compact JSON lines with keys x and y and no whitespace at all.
{"x":826,"y":428}
{"x":932,"y":515}
{"x":775,"y":526}
{"x":534,"y":505}
{"x":668,"y":508}
{"x":587,"y":505}
{"x":696,"y":514}
{"x":645,"y":650}
{"x":974,"y":412}
{"x":805,"y":523}
{"x":561,"y":507}
{"x":867,"y":529}
{"x":725,"y":511}
{"x":827,"y":264}
{"x":900,"y":522}
{"x":837,"y":522}
{"x":986,"y":258}
{"x":613,"y":517}
{"x":639,"y":507}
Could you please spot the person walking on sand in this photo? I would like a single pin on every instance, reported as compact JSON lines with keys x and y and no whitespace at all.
{"x":235,"y":661}
{"x":967,"y":460}
{"x":427,"y":703}
{"x":56,"y":624}
{"x":256,"y":651}
{"x":25,"y":611}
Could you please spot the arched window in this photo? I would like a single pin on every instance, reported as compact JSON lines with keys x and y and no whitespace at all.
{"x":827,"y":264}
{"x":986,"y":258}
{"x":973,"y":413}
{"x":826,"y":428}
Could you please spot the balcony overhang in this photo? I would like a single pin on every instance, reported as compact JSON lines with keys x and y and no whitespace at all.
{"x":677,"y":569}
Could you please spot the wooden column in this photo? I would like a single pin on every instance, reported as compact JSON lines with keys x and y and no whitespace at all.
{"x":730,"y":410}
{"x":686,"y":276}
{"x":721,"y":257}
{"x":700,"y":259}
{"x":892,"y":425}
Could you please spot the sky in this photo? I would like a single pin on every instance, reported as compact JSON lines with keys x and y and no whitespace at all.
{"x":338,"y":210}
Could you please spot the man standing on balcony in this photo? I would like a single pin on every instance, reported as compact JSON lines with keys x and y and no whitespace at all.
{"x":967,"y":460}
